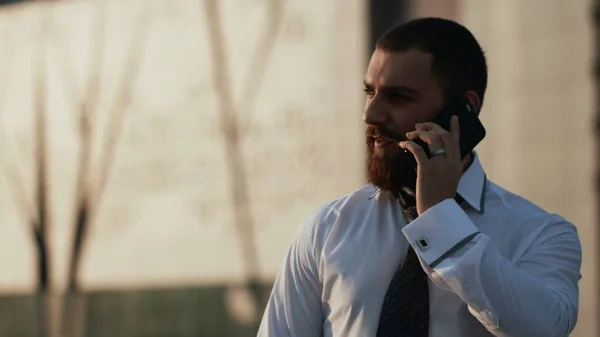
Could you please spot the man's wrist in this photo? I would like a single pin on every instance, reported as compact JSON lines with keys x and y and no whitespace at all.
{"x":431,"y":205}
{"x":439,"y":229}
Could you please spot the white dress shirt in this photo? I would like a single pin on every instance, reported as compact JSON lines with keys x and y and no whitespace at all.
{"x":517,"y":277}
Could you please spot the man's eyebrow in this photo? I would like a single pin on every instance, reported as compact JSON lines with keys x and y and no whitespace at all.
{"x":396,"y":88}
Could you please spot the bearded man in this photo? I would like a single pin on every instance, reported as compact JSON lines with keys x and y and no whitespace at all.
{"x":434,"y":250}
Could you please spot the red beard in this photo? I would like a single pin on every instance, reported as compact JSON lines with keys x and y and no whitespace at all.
{"x":388,"y":167}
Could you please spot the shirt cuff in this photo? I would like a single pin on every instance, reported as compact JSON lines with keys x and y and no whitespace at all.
{"x":440,"y":231}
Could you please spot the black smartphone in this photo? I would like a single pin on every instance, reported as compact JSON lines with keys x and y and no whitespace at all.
{"x":472,"y":131}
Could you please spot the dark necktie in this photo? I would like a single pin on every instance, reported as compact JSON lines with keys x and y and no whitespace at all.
{"x":405,"y":310}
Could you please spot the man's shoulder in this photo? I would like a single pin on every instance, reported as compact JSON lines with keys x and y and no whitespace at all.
{"x":518,"y":206}
{"x":332,"y":210}
{"x":328,"y":215}
{"x":320,"y":224}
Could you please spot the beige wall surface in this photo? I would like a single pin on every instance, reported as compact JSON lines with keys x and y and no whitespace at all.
{"x":166,"y":218}
{"x":539,"y":115}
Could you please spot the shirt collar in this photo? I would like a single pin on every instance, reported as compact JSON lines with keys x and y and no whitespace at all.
{"x":471,"y":186}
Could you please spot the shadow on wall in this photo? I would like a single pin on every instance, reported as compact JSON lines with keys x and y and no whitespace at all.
{"x":201,"y":311}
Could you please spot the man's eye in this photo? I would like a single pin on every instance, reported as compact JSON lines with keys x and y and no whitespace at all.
{"x":370,"y":92}
{"x":397,"y":98}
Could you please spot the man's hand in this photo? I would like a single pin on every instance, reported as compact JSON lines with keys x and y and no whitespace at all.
{"x":438,"y":176}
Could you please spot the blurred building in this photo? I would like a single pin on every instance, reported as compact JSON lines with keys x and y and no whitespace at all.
{"x":170,"y":246}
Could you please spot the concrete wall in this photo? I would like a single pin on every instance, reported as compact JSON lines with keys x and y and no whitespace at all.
{"x":165,"y":250}
{"x":167,"y":218}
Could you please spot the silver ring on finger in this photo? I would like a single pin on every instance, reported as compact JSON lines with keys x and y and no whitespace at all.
{"x":438,"y":152}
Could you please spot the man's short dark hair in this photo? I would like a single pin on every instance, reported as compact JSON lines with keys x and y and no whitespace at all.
{"x":458,"y":59}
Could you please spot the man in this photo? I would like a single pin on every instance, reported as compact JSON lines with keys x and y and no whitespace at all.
{"x":477,"y":260}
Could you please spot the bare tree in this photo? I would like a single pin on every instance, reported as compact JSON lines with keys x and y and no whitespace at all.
{"x":91,"y":184}
{"x":36,"y":209}
{"x":36,"y":213}
{"x":231,"y":123}
{"x":41,"y":222}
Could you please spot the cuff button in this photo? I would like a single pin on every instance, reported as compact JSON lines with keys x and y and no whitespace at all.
{"x":423,"y":244}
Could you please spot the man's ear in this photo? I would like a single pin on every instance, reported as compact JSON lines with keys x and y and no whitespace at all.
{"x":474,"y":100}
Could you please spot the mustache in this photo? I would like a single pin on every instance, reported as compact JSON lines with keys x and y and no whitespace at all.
{"x":373,"y":131}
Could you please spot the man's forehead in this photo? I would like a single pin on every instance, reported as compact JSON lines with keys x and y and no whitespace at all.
{"x":409,"y":68}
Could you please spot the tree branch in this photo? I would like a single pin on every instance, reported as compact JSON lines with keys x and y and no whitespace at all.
{"x":86,"y":110}
{"x":243,"y":220}
{"x":41,"y":161}
{"x":262,"y":55}
{"x":121,"y":105}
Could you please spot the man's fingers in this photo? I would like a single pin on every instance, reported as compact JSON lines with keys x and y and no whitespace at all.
{"x":430,"y":138}
{"x":449,"y":140}
{"x":416,"y":150}
{"x":431,"y":127}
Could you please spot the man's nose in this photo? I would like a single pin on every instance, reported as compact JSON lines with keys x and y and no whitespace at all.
{"x":375,"y":113}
